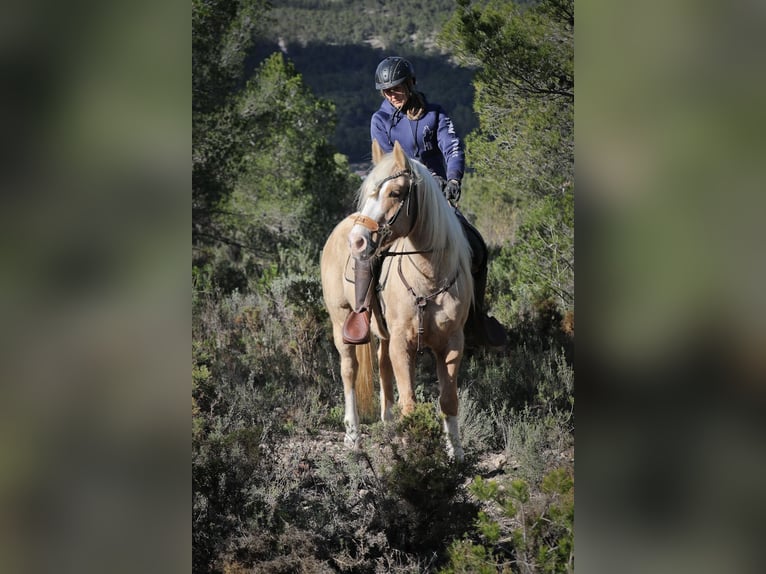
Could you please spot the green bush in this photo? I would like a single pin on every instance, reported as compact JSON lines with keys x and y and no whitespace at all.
{"x":519,"y":533}
{"x":253,"y":382}
{"x":424,"y":503}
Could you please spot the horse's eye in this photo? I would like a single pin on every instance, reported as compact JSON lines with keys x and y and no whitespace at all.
{"x":395,"y":195}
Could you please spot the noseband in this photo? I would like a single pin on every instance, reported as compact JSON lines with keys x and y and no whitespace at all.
{"x":384,"y":230}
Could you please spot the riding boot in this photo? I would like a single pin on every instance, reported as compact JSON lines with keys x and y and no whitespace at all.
{"x":480,"y":328}
{"x":356,"y":328}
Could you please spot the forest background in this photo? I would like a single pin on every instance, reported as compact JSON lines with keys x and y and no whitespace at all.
{"x":282,"y":95}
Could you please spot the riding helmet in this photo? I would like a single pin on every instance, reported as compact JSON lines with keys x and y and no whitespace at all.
{"x":392,"y":71}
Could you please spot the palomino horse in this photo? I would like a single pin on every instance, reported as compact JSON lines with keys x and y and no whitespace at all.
{"x":424,"y":294}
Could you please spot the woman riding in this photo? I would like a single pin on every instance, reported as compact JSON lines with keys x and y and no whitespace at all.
{"x":427,"y":134}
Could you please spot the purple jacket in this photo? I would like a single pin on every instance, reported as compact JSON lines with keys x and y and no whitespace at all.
{"x":436,"y":143}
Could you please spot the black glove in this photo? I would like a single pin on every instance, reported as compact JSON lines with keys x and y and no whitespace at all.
{"x":452,"y":191}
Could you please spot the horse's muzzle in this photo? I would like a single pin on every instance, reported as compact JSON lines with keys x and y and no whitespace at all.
{"x":361,"y":244}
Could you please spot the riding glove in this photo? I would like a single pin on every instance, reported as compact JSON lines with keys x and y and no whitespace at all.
{"x":440,"y":180}
{"x":452,"y":191}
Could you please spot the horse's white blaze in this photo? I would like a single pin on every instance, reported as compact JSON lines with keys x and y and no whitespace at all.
{"x":379,"y":192}
{"x":373,"y":207}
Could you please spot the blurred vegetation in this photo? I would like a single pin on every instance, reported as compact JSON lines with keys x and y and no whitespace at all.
{"x":273,"y":488}
{"x":361,"y":22}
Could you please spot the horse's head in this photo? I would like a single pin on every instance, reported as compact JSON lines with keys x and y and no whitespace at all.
{"x":385,"y":202}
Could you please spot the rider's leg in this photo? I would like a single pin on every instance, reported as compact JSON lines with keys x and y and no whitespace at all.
{"x":480,"y":328}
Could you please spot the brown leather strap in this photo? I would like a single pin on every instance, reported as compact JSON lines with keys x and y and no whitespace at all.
{"x":421,"y":301}
{"x":365,"y":221}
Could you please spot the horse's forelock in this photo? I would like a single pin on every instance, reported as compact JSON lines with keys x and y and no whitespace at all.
{"x":369,"y":187}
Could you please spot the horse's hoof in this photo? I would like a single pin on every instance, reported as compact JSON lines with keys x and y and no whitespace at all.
{"x":455,"y":453}
{"x":351,"y":442}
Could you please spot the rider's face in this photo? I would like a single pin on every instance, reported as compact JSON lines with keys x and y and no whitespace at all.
{"x":397,"y":95}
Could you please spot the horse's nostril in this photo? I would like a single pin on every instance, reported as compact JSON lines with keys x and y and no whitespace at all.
{"x":359,"y":243}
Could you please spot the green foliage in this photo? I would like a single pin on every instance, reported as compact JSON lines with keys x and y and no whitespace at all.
{"x":291,"y":186}
{"x":469,"y":558}
{"x":264,"y":174}
{"x":539,"y":266}
{"x":425,"y":503}
{"x":538,"y":374}
{"x":522,"y":405}
{"x":294,"y":187}
{"x":222,"y":31}
{"x":523,"y":150}
{"x":252,"y":381}
{"x":524,"y":89}
{"x":518,"y":533}
{"x":358,"y":22}
{"x":530,"y":438}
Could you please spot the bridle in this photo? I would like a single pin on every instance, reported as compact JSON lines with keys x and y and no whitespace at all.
{"x":384,"y":230}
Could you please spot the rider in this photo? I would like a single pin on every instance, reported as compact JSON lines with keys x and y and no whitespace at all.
{"x":426,"y":133}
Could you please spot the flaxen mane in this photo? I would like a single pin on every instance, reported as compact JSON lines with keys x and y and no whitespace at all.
{"x":441,"y":231}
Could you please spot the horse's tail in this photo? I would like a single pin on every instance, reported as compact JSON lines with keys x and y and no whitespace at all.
{"x":365,"y":402}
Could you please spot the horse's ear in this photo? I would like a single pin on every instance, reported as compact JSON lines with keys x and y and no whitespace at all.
{"x":377,"y":152}
{"x":400,"y":161}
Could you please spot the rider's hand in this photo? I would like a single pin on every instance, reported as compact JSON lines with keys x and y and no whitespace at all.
{"x":452,"y":191}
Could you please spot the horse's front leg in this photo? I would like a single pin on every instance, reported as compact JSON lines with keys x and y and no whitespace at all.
{"x":447,"y":365}
{"x":386,"y":381}
{"x":348,"y":368}
{"x":402,"y":356}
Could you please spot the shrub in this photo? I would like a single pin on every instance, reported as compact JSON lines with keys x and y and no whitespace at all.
{"x":265,"y":380}
{"x":424,"y":503}
{"x":477,"y":430}
{"x":518,"y":533}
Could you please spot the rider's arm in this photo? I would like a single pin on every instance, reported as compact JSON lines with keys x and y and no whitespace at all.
{"x":451,"y":147}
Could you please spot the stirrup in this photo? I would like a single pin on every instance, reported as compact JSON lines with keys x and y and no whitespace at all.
{"x":356,"y":328}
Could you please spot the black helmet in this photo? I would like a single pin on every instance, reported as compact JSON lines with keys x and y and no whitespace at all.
{"x":392,"y":71}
